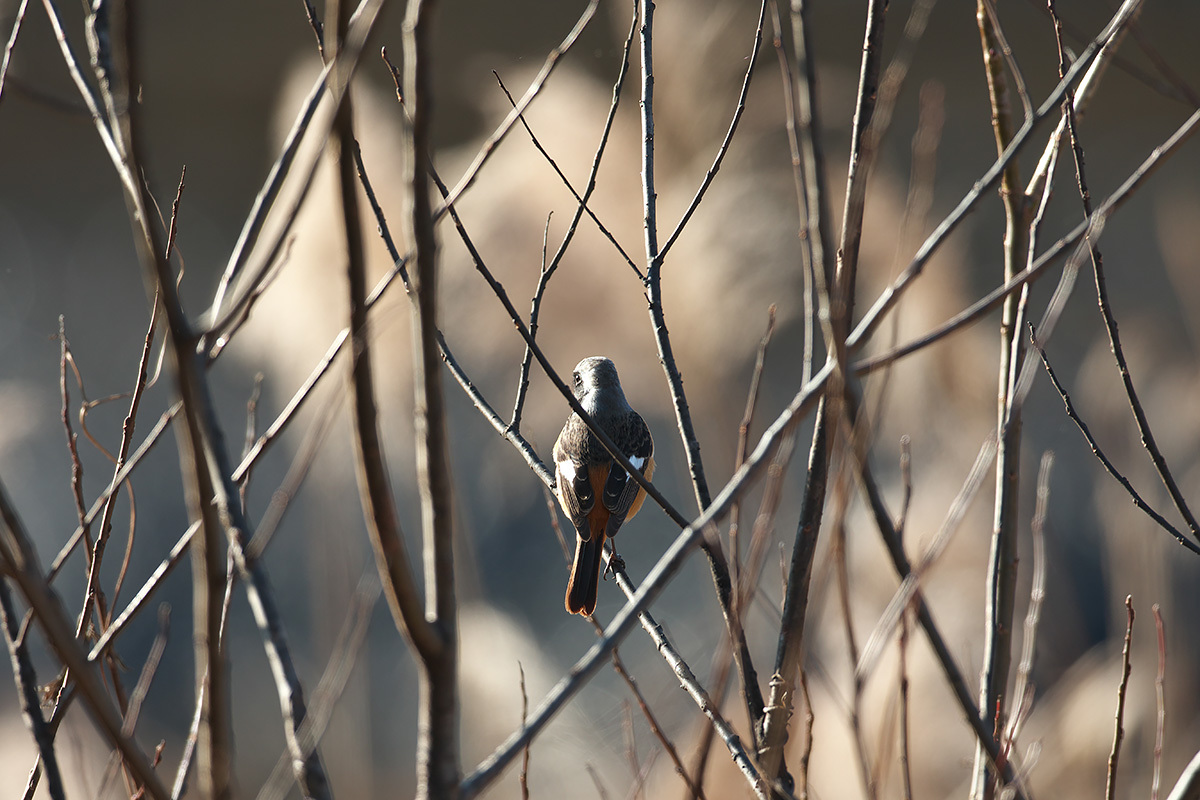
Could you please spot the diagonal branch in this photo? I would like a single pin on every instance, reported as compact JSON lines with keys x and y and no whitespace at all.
{"x":890,"y":296}
{"x":1089,"y":227}
{"x":19,"y":561}
{"x":27,"y":688}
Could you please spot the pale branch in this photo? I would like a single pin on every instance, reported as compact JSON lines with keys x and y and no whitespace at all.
{"x":6,"y":62}
{"x":1000,"y":594}
{"x":988,"y":180}
{"x":438,"y":758}
{"x":1089,"y":227}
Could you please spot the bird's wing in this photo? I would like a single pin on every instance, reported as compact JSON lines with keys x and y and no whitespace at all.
{"x":620,"y":491}
{"x":574,"y":488}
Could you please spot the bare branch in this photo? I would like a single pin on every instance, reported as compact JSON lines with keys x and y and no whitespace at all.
{"x":990,"y":178}
{"x":19,"y":561}
{"x":437,"y":722}
{"x":1090,"y":227}
{"x":724,"y":148}
{"x":1110,"y":783}
{"x":27,"y":689}
{"x":1160,"y":700}
{"x":12,"y":42}
{"x":1108,"y":465}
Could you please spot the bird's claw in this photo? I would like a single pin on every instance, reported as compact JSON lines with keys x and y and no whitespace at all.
{"x":615,"y":564}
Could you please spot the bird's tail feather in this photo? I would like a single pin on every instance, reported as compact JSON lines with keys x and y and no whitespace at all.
{"x":585,"y":575}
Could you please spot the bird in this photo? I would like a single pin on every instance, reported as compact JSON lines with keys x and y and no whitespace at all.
{"x":595,"y":492}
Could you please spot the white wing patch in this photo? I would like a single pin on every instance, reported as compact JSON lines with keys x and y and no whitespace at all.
{"x":637,"y":462}
{"x":567,"y":468}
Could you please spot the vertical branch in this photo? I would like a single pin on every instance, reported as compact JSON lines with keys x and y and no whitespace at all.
{"x":437,"y":753}
{"x":370,"y":469}
{"x":835,"y":308}
{"x":718,"y":565}
{"x":653,"y":279}
{"x":1110,"y":783}
{"x":862,"y":154}
{"x":1160,"y":701}
{"x":1002,"y":565}
{"x":208,"y":578}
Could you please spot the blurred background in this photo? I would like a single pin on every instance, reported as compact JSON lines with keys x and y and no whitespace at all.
{"x":223,"y":82}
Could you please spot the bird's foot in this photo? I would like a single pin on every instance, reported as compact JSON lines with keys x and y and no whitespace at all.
{"x":615,"y":564}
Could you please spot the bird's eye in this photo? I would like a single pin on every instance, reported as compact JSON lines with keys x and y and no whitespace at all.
{"x":578,"y":380}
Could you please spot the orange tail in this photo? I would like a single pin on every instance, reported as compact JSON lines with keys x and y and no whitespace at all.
{"x":585,"y":575}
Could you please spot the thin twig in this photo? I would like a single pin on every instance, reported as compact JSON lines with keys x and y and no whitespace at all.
{"x":490,"y":144}
{"x":693,"y":687}
{"x":792,"y":123}
{"x":1023,"y":691}
{"x":751,"y":691}
{"x":740,"y":454}
{"x":910,"y":586}
{"x":697,"y":789}
{"x":138,"y":696}
{"x":523,"y":777}
{"x":1001,"y":594}
{"x":12,"y":42}
{"x":905,"y":771}
{"x":286,"y":166}
{"x":334,"y":680}
{"x":954,"y":678}
{"x":1110,"y":326}
{"x":165,"y":567}
{"x":1110,"y":783}
{"x":534,"y":311}
{"x":1096,"y":451}
{"x":631,"y":749}
{"x":581,"y":201}
{"x":724,"y":148}
{"x":189,"y":748}
{"x":1160,"y":720}
{"x":1084,"y":93}
{"x":27,"y":689}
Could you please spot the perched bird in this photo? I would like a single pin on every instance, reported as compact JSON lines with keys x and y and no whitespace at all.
{"x":595,"y":492}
